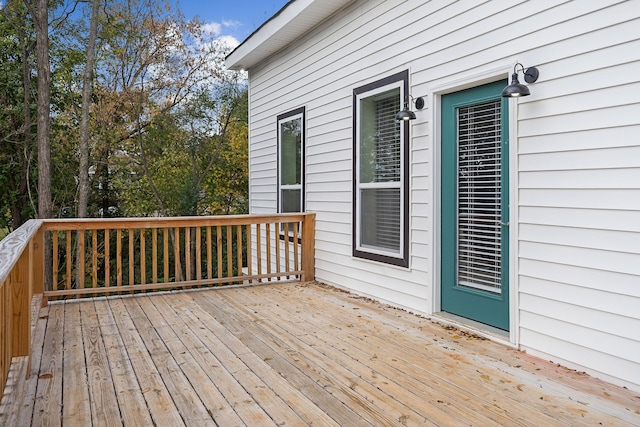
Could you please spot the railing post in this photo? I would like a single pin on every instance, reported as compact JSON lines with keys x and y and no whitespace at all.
{"x":37,"y":267}
{"x":21,"y":306}
{"x":308,"y":247}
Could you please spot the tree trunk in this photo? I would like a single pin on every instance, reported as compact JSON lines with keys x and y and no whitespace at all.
{"x":87,"y":84}
{"x":25,"y":156}
{"x":41,"y":20}
{"x":24,"y":151}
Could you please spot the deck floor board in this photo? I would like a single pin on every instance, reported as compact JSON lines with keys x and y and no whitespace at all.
{"x":363,"y":339}
{"x":289,"y":354}
{"x":131,"y":402}
{"x":358,"y":348}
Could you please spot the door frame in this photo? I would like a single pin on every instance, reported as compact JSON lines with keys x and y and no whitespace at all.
{"x":461,"y":82}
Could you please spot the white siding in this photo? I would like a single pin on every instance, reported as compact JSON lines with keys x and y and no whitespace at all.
{"x":577,"y":156}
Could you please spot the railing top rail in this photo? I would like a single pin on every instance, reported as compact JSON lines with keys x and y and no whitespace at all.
{"x":12,"y":246}
{"x":167,"y":222}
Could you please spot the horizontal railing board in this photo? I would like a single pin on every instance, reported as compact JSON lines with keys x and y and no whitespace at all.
{"x":168,"y":285}
{"x":167,"y":222}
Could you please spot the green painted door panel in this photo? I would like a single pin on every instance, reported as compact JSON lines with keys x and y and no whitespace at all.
{"x":475,"y":205}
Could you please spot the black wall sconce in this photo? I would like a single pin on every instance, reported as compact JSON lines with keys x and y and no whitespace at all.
{"x":516,"y":89}
{"x":406,"y":113}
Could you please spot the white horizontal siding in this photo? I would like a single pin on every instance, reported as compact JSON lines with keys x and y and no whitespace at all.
{"x":600,"y":330}
{"x":594,"y":178}
{"x":607,"y":240}
{"x":562,"y":342}
{"x":579,"y":140}
{"x":579,"y":201}
{"x":618,"y":283}
{"x":597,"y":302}
{"x":623,"y":199}
{"x":623,"y":262}
{"x":602,"y":219}
{"x":282,"y":85}
{"x":577,"y":155}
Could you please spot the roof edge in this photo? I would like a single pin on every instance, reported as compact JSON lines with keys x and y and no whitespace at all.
{"x":292,"y":21}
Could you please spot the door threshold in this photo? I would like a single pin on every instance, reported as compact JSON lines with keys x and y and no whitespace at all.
{"x":486,"y":331}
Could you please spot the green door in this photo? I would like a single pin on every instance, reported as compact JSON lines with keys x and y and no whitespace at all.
{"x":475,"y":205}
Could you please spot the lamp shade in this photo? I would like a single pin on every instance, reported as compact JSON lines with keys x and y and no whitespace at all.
{"x":515,"y":88}
{"x":406,"y":114}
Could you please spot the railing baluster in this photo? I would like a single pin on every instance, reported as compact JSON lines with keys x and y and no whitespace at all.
{"x":143,"y":257}
{"x":107,"y":258}
{"x":209,"y":256}
{"x":198,"y":254}
{"x":249,"y":252}
{"x":119,"y":257}
{"x":68,"y":258}
{"x":296,"y":263}
{"x":166,"y":256}
{"x":154,"y":255}
{"x":239,"y":248}
{"x":177,"y":270}
{"x":268,"y":244}
{"x":187,"y":252}
{"x":258,"y":250}
{"x":277,"y":240}
{"x":80,"y":267}
{"x":94,"y":258}
{"x":229,"y":251}
{"x":219,"y":249}
{"x":286,"y":249}
{"x":54,"y":269}
{"x":132,"y":268}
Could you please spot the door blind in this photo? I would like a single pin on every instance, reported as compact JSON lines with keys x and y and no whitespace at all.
{"x":479,"y":196}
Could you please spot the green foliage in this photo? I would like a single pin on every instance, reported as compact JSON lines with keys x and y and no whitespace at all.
{"x":168,"y":125}
{"x":196,"y":158}
{"x":17,"y":130}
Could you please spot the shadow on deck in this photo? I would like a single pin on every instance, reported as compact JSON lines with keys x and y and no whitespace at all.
{"x":287,"y":354}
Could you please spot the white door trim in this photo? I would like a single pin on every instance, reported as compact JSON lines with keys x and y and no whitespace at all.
{"x":454,"y":84}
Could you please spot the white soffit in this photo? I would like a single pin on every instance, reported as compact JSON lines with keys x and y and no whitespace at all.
{"x":292,"y":21}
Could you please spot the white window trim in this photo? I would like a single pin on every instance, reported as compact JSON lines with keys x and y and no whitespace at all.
{"x":297,"y":114}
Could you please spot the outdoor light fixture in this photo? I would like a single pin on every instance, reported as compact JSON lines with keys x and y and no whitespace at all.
{"x":516,"y":88}
{"x":406,"y":113}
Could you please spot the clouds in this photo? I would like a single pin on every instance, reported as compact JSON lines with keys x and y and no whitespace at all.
{"x":222,"y":31}
{"x":213,"y":28}
{"x":232,"y":24}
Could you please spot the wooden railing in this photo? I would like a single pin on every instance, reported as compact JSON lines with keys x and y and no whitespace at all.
{"x":133,"y":255}
{"x":102,"y":257}
{"x":21,"y":262}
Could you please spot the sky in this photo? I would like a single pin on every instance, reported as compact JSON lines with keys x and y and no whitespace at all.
{"x":235,"y":18}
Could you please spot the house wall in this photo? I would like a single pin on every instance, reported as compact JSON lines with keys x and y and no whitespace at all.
{"x":575,"y":155}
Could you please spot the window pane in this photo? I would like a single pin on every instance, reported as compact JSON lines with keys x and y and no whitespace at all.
{"x":380,"y":138}
{"x":290,"y":151}
{"x":479,"y":196}
{"x":380,"y":218}
{"x":290,"y":201}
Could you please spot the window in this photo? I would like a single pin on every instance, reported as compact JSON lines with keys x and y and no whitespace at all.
{"x":290,"y":161}
{"x":380,"y":215}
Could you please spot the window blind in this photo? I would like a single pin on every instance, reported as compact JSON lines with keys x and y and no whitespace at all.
{"x":479,"y":196}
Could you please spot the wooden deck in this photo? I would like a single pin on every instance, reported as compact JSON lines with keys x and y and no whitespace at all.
{"x":288,"y":354}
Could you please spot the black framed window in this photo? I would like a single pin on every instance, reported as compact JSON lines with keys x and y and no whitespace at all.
{"x":381,"y":164}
